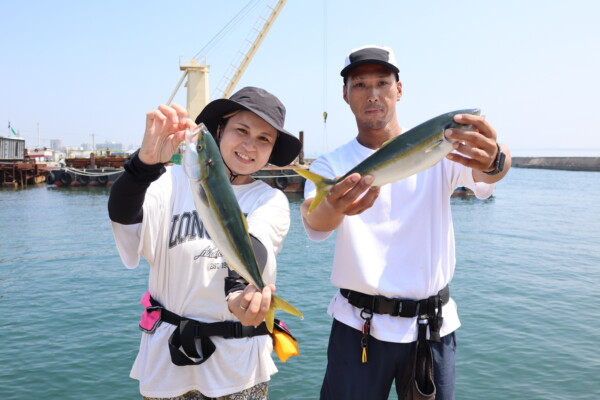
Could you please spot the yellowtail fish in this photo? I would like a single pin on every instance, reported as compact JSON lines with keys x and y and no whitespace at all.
{"x":407,"y":154}
{"x":220,"y":212}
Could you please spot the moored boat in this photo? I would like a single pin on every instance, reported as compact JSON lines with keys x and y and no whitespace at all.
{"x":46,"y":157}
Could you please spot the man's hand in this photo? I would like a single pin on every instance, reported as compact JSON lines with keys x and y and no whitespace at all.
{"x":343,"y":199}
{"x":165,"y":130}
{"x":478,"y":144}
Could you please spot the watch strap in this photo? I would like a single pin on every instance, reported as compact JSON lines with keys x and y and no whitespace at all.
{"x":498,"y":162}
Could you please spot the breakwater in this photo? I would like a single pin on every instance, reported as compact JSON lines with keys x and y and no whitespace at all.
{"x":561,"y":163}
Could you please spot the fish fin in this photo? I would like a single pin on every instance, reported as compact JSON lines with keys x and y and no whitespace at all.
{"x":203,"y":196}
{"x":209,"y":164}
{"x":322,"y":184}
{"x":434,"y":145}
{"x":277,"y":303}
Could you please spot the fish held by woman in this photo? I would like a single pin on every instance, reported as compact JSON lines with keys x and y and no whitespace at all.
{"x":411,"y":152}
{"x":220,"y":212}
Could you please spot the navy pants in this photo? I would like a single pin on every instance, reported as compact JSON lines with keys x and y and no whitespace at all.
{"x":348,"y":378}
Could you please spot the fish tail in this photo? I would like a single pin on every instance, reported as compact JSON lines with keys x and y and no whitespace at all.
{"x":322,"y":184}
{"x":270,"y":319}
{"x":277,"y":303}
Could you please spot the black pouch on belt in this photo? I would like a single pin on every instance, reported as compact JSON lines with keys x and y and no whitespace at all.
{"x":419,"y":384}
{"x":196,"y":349}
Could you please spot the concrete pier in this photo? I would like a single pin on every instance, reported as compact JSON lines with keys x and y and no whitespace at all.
{"x":562,"y":163}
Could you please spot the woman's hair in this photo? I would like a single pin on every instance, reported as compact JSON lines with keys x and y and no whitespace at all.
{"x":222,"y":123}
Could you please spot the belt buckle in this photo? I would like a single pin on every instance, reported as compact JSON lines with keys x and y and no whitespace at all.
{"x":383,"y":305}
{"x":236,"y":329}
{"x":398,"y":307}
{"x":408,"y":308}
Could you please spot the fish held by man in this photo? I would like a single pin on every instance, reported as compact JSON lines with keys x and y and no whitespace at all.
{"x":220,"y":212}
{"x":411,"y":152}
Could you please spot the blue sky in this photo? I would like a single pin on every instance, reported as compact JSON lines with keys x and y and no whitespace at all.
{"x":71,"y":69}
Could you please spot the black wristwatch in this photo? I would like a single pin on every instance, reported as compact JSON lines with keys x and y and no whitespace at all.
{"x":498,"y":162}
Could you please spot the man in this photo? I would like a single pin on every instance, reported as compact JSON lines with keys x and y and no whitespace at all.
{"x":395,"y":242}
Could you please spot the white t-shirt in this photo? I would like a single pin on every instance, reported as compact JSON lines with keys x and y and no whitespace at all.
{"x":187,"y":276}
{"x":401,"y":247}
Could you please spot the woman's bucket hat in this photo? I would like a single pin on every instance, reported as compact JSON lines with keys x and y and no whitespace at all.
{"x":266,"y":106}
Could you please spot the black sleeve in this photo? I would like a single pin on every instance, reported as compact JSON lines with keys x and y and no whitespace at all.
{"x":234,"y":282}
{"x":127,"y":193}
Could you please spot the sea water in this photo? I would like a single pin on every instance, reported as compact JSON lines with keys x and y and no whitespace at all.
{"x":527,"y":284}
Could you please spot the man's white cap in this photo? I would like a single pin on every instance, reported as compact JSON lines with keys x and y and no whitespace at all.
{"x":370,"y":55}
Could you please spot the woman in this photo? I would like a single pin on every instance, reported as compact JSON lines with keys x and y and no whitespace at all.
{"x":153,"y":216}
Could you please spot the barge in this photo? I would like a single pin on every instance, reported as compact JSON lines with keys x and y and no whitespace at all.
{"x":283,"y":178}
{"x":92,"y":171}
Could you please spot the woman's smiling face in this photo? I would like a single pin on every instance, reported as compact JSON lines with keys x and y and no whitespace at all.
{"x":246,"y":143}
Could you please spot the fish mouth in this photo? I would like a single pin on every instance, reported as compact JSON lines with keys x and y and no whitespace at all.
{"x":191,"y":165}
{"x":192,"y":136}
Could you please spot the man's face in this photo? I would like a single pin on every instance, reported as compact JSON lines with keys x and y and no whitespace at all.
{"x":372,"y":92}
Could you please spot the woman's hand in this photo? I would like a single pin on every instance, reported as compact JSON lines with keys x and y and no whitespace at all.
{"x":251,"y":305}
{"x":165,"y":130}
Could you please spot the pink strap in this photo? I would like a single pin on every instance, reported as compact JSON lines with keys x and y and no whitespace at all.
{"x":150,"y":319}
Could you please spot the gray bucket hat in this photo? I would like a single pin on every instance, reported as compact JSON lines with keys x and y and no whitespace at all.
{"x":266,"y":106}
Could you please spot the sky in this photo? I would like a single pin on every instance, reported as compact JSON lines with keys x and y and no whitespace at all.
{"x":89,"y":71}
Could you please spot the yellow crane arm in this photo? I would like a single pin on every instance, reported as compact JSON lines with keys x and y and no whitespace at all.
{"x":248,"y":57}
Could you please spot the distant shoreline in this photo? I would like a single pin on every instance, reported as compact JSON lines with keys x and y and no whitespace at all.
{"x":560,"y":163}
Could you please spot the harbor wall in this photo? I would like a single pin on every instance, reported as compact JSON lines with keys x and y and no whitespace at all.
{"x":562,"y":163}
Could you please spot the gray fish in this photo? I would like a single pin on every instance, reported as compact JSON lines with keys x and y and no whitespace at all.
{"x":220,"y":212}
{"x":407,"y":154}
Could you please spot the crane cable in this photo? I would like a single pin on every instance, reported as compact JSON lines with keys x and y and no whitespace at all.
{"x":233,"y":23}
{"x":324,"y":144}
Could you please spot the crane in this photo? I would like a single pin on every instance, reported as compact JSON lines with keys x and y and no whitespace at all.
{"x":197,"y":73}
{"x":262,"y":33}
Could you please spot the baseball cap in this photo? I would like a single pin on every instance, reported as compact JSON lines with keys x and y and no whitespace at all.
{"x":370,"y":55}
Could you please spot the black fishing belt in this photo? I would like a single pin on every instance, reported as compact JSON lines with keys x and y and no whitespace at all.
{"x":428,"y":310}
{"x":193,"y":336}
{"x":397,"y":307}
